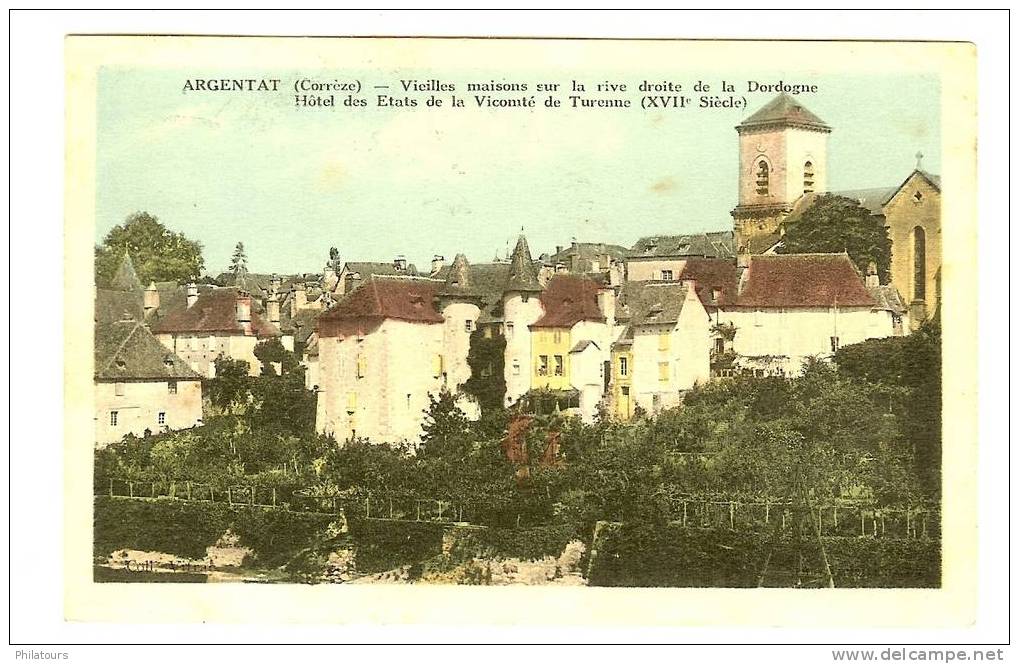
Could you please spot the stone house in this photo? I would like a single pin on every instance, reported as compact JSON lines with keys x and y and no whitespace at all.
{"x":220,"y":321}
{"x":663,"y":350}
{"x":793,"y":307}
{"x":140,"y":386}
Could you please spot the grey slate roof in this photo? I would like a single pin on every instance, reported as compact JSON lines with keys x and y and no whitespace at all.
{"x":487,"y":282}
{"x":650,"y":302}
{"x":125,"y":278}
{"x":784,"y":110}
{"x":126,"y":350}
{"x":586,"y":256}
{"x":114,"y":305}
{"x":887,"y":299}
{"x":715,"y":244}
{"x":522,"y":275}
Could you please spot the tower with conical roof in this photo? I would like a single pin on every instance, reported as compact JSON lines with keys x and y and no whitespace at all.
{"x":125,"y":278}
{"x":521,"y":308}
{"x":783,"y":154}
{"x":460,"y":305}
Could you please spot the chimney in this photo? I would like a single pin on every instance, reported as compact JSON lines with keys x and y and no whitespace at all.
{"x":716,"y":295}
{"x":437,"y":263}
{"x":272,"y":309}
{"x":151,"y":298}
{"x":274,"y":284}
{"x":300,"y":300}
{"x":559,"y":248}
{"x":192,"y":294}
{"x":872,"y":278}
{"x":400,"y":263}
{"x":244,"y":310}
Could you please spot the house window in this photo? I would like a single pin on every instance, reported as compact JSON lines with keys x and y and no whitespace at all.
{"x":623,"y":369}
{"x":719,"y":345}
{"x":408,"y":402}
{"x":171,"y":387}
{"x":666,"y":275}
{"x":437,"y":365}
{"x":509,"y":330}
{"x":486,"y":370}
{"x":362,"y":366}
{"x":468,"y":325}
{"x":557,"y":336}
{"x":113,"y":418}
{"x":488,"y":332}
{"x":558,"y":365}
{"x":663,"y":341}
{"x":919,"y":264}
{"x":834,"y":344}
{"x":543,"y":365}
{"x":917,"y":197}
{"x":118,"y":389}
{"x":516,"y":367}
{"x":808,"y":177}
{"x":762,"y":178}
{"x":161,"y":419}
{"x":757,"y":317}
{"x":351,"y":402}
{"x":663,"y":371}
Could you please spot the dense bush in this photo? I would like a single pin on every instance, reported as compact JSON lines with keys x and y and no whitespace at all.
{"x":188,"y":528}
{"x":639,"y":555}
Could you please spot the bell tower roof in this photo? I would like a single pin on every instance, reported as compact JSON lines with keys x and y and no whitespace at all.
{"x":783,"y":111}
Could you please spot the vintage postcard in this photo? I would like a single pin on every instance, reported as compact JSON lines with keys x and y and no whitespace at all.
{"x":638,"y":331}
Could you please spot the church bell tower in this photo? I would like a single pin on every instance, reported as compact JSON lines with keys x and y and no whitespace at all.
{"x":783,"y":155}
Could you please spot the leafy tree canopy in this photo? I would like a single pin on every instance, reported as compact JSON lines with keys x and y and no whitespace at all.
{"x":833,"y":224}
{"x":158,"y":254}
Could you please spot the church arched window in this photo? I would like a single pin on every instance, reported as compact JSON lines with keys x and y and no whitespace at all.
{"x":919,"y":264}
{"x":808,"y":177}
{"x":762,"y":178}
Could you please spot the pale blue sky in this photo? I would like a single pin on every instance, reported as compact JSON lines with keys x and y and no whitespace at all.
{"x":376,"y":183}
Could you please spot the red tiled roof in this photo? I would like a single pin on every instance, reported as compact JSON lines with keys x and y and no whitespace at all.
{"x":214,"y":311}
{"x":567,"y":300}
{"x":803,"y":280}
{"x":712,"y":274}
{"x":379,"y":298}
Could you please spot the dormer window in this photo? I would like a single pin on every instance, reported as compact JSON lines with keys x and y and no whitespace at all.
{"x":121,"y":364}
{"x":808,"y":177}
{"x":763,"y":178}
{"x":168,"y":363}
{"x":917,"y":197}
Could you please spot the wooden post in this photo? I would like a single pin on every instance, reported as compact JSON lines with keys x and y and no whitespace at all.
{"x":767,"y":512}
{"x":907,"y":523}
{"x":836,"y":516}
{"x":732,"y":515}
{"x":274,"y":496}
{"x":212,"y":494}
{"x":189,"y":489}
{"x":390,"y":507}
{"x":367,"y":508}
{"x":925,"y":524}
{"x":863,"y":524}
{"x":229,"y":496}
{"x":684,"y":514}
{"x":419,"y":510}
{"x":111,"y":488}
{"x":783,"y":519}
{"x":130,"y":489}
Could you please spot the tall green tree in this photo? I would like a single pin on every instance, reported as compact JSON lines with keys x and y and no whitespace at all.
{"x":158,"y":253}
{"x":833,"y":224}
{"x":239,"y":261}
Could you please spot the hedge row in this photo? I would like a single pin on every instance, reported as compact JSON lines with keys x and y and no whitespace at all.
{"x":641,"y":555}
{"x":186,"y":528}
